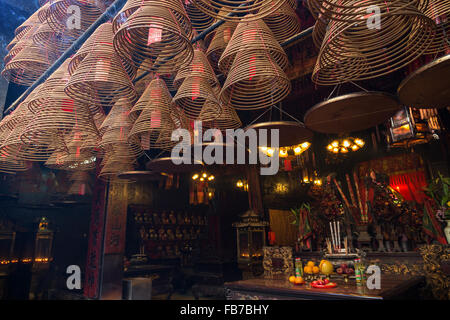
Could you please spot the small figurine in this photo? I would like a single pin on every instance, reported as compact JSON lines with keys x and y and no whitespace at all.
{"x":186,"y":234}
{"x":180,"y":219}
{"x":172,"y":218}
{"x":164,"y":218}
{"x":162,"y":234}
{"x":178,"y":234}
{"x":143,"y":233}
{"x":152,"y":234}
{"x":187,"y":219}
{"x":156,"y":219}
{"x":170,"y":234}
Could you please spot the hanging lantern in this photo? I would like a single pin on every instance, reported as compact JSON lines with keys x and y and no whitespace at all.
{"x":407,"y":129}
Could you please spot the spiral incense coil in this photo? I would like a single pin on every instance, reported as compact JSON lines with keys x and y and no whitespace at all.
{"x":319,"y":31}
{"x":112,"y":167}
{"x":439,"y":12}
{"x":154,"y":119}
{"x":153,"y":34}
{"x":117,"y":139}
{"x":199,"y":67}
{"x":219,"y":42}
{"x":156,"y":94}
{"x":341,"y":68}
{"x":176,"y":8}
{"x":228,"y":119}
{"x":284,"y":22}
{"x":10,"y":165}
{"x":252,"y":35}
{"x":200,"y":21}
{"x":405,"y":35}
{"x":100,"y":78}
{"x":255,"y":81}
{"x":26,"y":26}
{"x":102,"y":35}
{"x":14,"y":146}
{"x":56,"y":160}
{"x":81,"y":181}
{"x":119,"y":112}
{"x":196,"y":94}
{"x":222,"y":10}
{"x":28,"y":65}
{"x":78,"y":159}
{"x":60,"y":13}
{"x":57,"y":42}
{"x":359,"y":11}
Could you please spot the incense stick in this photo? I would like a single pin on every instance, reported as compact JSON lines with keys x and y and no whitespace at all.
{"x":358,"y":194}
{"x":350,"y":190}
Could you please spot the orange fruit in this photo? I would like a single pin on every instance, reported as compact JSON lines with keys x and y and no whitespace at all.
{"x":292,"y":279}
{"x":315,"y":269}
{"x":299,"y":280}
{"x":308,"y":269}
{"x":310,"y":264}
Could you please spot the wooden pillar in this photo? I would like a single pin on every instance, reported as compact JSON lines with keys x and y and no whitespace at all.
{"x":254,"y":190}
{"x":104,"y":270}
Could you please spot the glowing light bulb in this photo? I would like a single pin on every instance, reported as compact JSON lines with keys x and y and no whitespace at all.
{"x":270,"y":152}
{"x":336,"y":150}
{"x":346,"y":143}
{"x":305,"y":145}
{"x":355,"y":147}
{"x":195,"y":177}
{"x":344,"y":150}
{"x":204,"y":175}
{"x":283,"y":153}
{"x":335,"y":144}
{"x":359,"y":142}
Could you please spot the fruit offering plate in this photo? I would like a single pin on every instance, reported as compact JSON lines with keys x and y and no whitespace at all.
{"x":329,"y":285}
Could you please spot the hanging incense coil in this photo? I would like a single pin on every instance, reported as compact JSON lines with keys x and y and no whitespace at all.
{"x":195,"y":96}
{"x":439,"y":12}
{"x":200,"y":21}
{"x":28,"y":64}
{"x":177,"y":10}
{"x":219,"y":42}
{"x":9,"y":163}
{"x":112,"y":167}
{"x":234,"y":10}
{"x":78,"y":159}
{"x":156,"y":94}
{"x":57,"y":42}
{"x":359,"y":11}
{"x":155,"y":118}
{"x":252,"y":35}
{"x":102,"y":35}
{"x":283,"y":22}
{"x":199,"y":67}
{"x":406,"y":34}
{"x":319,"y":31}
{"x":31,"y":22}
{"x":100,"y":78}
{"x":153,"y":37}
{"x":255,"y":81}
{"x":62,"y":13}
{"x":81,"y":181}
{"x":228,"y":119}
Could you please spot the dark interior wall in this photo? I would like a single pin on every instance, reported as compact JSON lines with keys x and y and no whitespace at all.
{"x":27,"y":197}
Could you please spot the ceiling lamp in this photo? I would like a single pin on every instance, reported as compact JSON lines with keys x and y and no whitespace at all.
{"x":203,"y":176}
{"x":285,"y":152}
{"x":346,"y":145}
